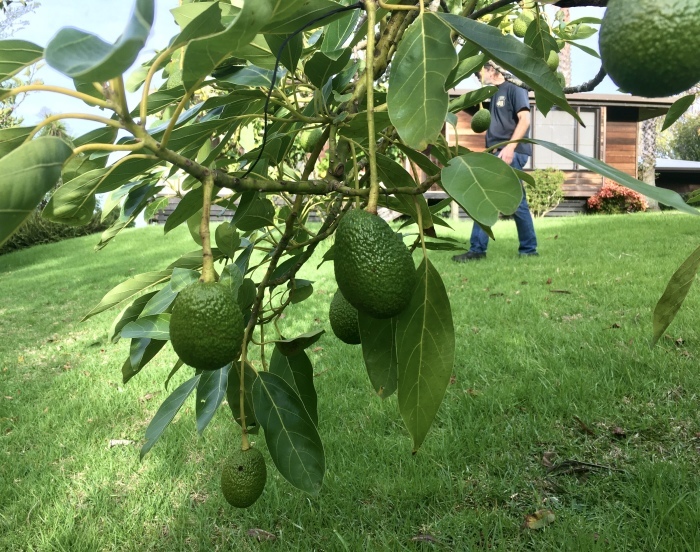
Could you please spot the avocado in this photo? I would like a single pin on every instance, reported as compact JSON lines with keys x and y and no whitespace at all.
{"x":343,"y":318}
{"x":373,"y":267}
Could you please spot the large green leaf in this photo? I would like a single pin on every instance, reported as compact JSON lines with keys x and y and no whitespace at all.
{"x":141,"y":352}
{"x":339,"y":31}
{"x":425,"y":344}
{"x":289,"y":57}
{"x":167,"y":412}
{"x":392,"y":174}
{"x":379,"y":352}
{"x":417,"y":98}
{"x":156,"y":326}
{"x":233,"y":394}
{"x":211,"y":391}
{"x":516,"y":57}
{"x":289,"y":16}
{"x":253,"y":212}
{"x":12,"y":138}
{"x":291,"y":435}
{"x":322,"y":66}
{"x":298,"y":372}
{"x":662,"y":195}
{"x":204,"y":54}
{"x":679,"y":107}
{"x":675,"y":293}
{"x":470,"y":99}
{"x":28,"y":173}
{"x":129,"y":314}
{"x":84,"y":56}
{"x":15,"y":55}
{"x":483,"y":185}
{"x":127,"y":290}
{"x":197,"y":20}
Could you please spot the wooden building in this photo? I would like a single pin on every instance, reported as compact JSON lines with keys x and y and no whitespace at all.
{"x":611,"y":134}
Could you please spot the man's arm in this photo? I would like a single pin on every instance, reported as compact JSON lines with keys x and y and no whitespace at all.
{"x":508,"y":152}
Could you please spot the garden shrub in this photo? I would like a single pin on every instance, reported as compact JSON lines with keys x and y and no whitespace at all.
{"x":37,"y":230}
{"x":613,"y":199}
{"x":547,"y":191}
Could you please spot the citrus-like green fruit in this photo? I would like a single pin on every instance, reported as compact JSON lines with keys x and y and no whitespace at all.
{"x":373,"y":267}
{"x":553,"y":60}
{"x":243,"y":477}
{"x":520,"y":26}
{"x":651,"y":47}
{"x":481,"y":121}
{"x":206,"y":326}
{"x":343,"y":318}
{"x":308,"y":139}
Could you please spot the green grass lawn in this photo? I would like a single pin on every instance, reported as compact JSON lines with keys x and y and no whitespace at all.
{"x":554,"y":368}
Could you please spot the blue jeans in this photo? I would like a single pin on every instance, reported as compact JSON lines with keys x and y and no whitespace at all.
{"x":523,"y":222}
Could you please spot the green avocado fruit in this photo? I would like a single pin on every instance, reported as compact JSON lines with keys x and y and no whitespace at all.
{"x":343,"y":318}
{"x":243,"y":477}
{"x":206,"y":326}
{"x":309,"y":138}
{"x":373,"y":267}
{"x":481,"y":121}
{"x":651,"y":47}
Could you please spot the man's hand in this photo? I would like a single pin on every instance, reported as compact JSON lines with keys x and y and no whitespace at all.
{"x":507,"y":153}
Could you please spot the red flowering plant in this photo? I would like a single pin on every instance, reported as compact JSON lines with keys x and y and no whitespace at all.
{"x":614,"y":199}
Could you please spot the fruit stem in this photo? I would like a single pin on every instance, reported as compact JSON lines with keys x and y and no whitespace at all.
{"x":208,"y":273}
{"x":371,"y":7}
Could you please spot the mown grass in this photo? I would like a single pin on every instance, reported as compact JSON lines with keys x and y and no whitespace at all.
{"x":554,"y":364}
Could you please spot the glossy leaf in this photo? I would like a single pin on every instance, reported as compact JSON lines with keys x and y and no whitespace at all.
{"x":417,"y":98}
{"x":84,"y":56}
{"x":379,"y":353}
{"x":291,"y":435}
{"x":337,"y":33}
{"x":211,"y":391}
{"x":161,"y":301}
{"x":15,"y":55}
{"x":156,"y":326}
{"x":129,"y":314}
{"x":516,"y":57}
{"x":127,"y":290}
{"x":231,"y":276}
{"x":183,"y":277}
{"x":253,"y":212}
{"x":167,"y":412}
{"x":291,"y":347}
{"x":204,"y":54}
{"x":233,"y":394}
{"x":425,"y":344}
{"x":28,"y":173}
{"x":12,"y":138}
{"x":678,"y":108}
{"x":141,"y":352}
{"x":483,"y":185}
{"x":298,"y":372}
{"x":227,"y":239}
{"x":674,"y":294}
{"x":662,"y":195}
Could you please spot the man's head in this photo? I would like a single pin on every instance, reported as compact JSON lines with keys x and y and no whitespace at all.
{"x":490,"y":75}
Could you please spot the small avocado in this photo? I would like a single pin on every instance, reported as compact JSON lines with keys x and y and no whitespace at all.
{"x":481,"y":121}
{"x":343,"y":318}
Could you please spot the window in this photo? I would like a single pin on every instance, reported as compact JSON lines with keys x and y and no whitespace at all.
{"x":562,"y":129}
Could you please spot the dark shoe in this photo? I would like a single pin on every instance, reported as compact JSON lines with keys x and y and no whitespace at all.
{"x":468,"y":256}
{"x":535,"y":254}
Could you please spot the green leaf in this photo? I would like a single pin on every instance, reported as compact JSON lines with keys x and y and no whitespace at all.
{"x":483,"y":185}
{"x":251,"y":75}
{"x":196,"y":20}
{"x":84,"y":56}
{"x":167,"y":412}
{"x":392,"y":174}
{"x":28,"y":173}
{"x":193,"y":225}
{"x":298,"y":372}
{"x":322,"y":66}
{"x":179,"y":364}
{"x":130,"y":288}
{"x":211,"y":391}
{"x":233,"y":394}
{"x":156,"y":326}
{"x":425,"y":344}
{"x":339,"y":31}
{"x":291,"y":435}
{"x":253,"y":212}
{"x":516,"y":57}
{"x":678,"y":108}
{"x":161,"y":301}
{"x":15,"y":55}
{"x":674,"y":294}
{"x":289,"y":16}
{"x":662,"y":195}
{"x":292,"y":51}
{"x":204,"y":54}
{"x":379,"y":352}
{"x":193,"y":259}
{"x":227,"y":239}
{"x":300,"y":290}
{"x":291,"y":347}
{"x":471,"y":99}
{"x":183,"y":277}
{"x":417,"y":98}
{"x":12,"y":138}
{"x":141,"y":352}
{"x":246,"y":294}
{"x":232,"y":276}
{"x":424,"y":162}
{"x":129,"y":314}
{"x":102,"y":135}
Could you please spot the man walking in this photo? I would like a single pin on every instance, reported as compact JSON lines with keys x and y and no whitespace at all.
{"x":510,"y":120}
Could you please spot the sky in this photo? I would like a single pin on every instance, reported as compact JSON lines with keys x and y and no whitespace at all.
{"x":107,"y":19}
